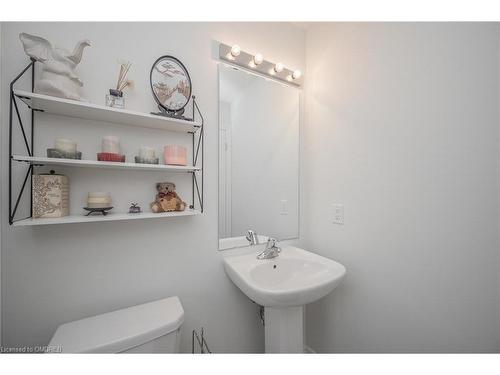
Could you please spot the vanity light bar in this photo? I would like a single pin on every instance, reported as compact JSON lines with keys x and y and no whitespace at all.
{"x":234,"y":55}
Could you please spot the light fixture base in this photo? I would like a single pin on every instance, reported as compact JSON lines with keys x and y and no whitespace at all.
{"x":266,"y":68}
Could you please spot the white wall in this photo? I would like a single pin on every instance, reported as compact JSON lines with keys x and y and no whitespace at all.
{"x":498,"y":181}
{"x":1,"y":187}
{"x":56,"y":274}
{"x":402,"y":128}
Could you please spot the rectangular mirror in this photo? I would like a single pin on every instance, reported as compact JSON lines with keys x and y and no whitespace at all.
{"x":258,"y":158}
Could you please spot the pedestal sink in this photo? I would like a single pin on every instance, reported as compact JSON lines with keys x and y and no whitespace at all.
{"x":283,"y":285}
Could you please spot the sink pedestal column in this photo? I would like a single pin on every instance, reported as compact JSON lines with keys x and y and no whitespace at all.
{"x":284,"y":329}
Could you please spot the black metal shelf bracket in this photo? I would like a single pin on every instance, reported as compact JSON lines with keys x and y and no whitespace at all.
{"x":29,"y":144}
{"x":198,"y":140}
{"x":197,"y":183}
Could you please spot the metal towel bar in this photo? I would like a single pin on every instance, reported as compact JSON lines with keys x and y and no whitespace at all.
{"x":199,"y":344}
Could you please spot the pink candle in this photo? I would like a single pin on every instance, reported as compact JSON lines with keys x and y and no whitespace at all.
{"x":175,"y":155}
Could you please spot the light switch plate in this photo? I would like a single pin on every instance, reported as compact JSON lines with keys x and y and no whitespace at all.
{"x":284,"y":207}
{"x":338,"y":213}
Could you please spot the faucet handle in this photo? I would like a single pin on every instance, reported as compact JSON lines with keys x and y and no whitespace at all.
{"x":271,"y":250}
{"x":271,"y":242}
{"x":252,"y":237}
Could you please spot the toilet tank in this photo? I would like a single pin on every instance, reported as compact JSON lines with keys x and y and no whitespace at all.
{"x":152,"y":327}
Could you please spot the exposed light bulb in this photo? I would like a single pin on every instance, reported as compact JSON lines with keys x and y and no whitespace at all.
{"x":296,"y":74}
{"x":278,"y":68}
{"x":235,"y":50}
{"x":289,"y":78}
{"x":258,"y":58}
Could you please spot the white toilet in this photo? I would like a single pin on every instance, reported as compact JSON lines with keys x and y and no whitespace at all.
{"x":152,"y":327}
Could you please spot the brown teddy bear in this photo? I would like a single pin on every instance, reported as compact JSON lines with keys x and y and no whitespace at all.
{"x":167,"y":199}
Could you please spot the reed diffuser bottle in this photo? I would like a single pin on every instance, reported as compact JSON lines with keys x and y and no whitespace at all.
{"x":115,"y":97}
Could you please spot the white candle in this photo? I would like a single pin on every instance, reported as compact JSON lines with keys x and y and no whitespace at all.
{"x":111,"y":144}
{"x":98,"y":200}
{"x":65,"y":145}
{"x":147,"y":153}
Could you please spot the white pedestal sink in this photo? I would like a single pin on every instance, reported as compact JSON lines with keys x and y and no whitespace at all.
{"x":283,"y":285}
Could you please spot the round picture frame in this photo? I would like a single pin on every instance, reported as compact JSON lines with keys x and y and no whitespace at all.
{"x":173,"y":92}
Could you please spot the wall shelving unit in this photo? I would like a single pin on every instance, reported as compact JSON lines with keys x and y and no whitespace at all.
{"x":98,"y":218}
{"x":35,"y":160}
{"x":84,"y":110}
{"x":96,"y":112}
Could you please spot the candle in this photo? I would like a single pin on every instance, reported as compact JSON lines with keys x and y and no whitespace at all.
{"x":110,"y":144}
{"x":147,"y":153}
{"x":175,"y":155}
{"x":98,"y":200}
{"x":65,"y":145}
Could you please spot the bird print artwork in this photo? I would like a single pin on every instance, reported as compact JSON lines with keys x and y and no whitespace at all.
{"x":171,"y":84}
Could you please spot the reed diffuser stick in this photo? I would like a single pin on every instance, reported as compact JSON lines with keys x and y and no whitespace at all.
{"x":122,"y":81}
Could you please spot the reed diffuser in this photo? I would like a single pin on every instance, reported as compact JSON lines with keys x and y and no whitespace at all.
{"x":115,"y":97}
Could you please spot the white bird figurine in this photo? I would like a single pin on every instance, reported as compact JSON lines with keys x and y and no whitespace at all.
{"x":58,"y":72}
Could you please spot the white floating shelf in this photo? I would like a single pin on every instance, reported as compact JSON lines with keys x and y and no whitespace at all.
{"x":104,"y":164}
{"x":109,"y":217}
{"x":89,"y":111}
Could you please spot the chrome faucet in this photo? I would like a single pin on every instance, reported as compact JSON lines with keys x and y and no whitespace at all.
{"x":252,"y":237}
{"x":271,"y":250}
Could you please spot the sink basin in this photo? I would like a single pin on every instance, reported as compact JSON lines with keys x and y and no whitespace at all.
{"x":295,"y":278}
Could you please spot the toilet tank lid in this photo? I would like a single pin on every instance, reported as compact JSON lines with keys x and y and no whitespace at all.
{"x":119,"y":330}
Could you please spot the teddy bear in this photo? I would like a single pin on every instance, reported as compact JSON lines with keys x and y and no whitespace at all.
{"x":167,"y":199}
